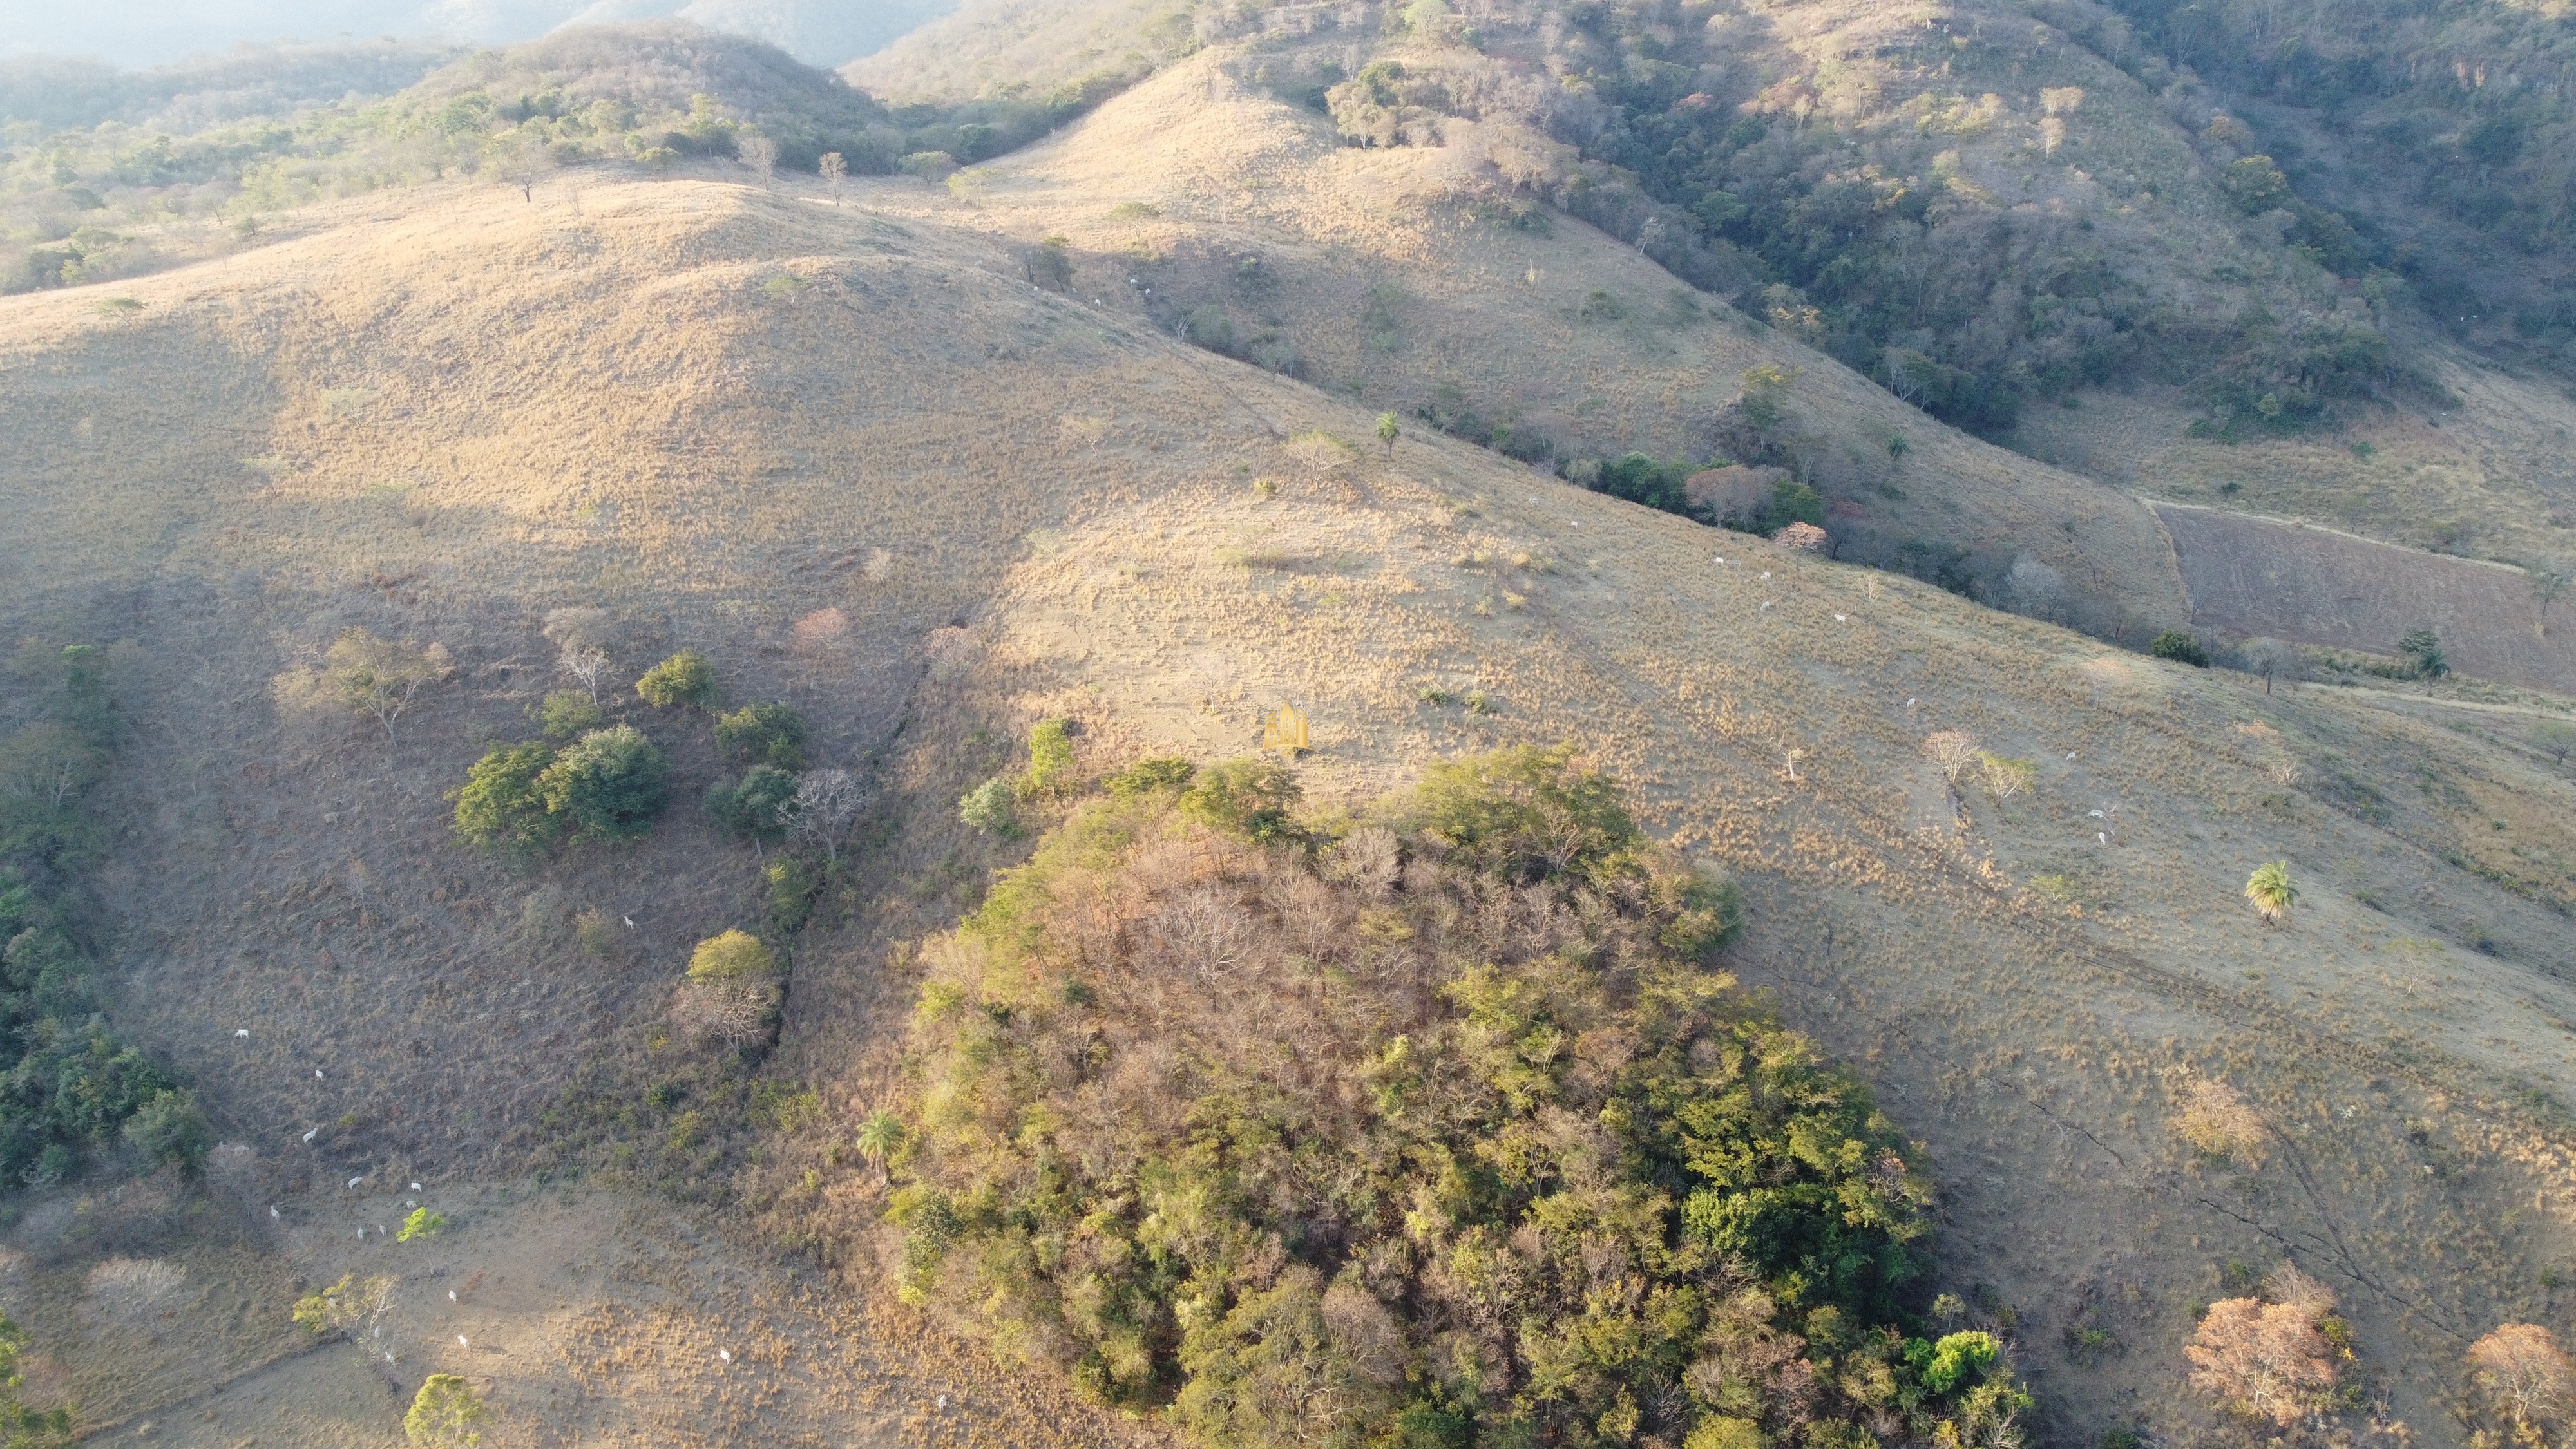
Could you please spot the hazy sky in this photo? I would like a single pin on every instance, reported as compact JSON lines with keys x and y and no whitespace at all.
{"x":150,"y":32}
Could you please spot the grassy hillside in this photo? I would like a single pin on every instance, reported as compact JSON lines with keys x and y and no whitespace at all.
{"x":1414,"y":281}
{"x":1024,"y":504}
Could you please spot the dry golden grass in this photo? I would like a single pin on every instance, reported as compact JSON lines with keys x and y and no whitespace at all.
{"x":1375,"y":265}
{"x":613,"y":410}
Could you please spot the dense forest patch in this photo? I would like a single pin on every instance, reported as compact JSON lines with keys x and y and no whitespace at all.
{"x":1441,"y":1127}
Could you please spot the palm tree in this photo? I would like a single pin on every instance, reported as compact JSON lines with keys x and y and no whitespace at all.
{"x":879,"y":1136}
{"x":2270,"y":890}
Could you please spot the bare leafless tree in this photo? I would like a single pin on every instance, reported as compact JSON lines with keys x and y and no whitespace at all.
{"x":1953,"y":750}
{"x":758,"y":152}
{"x":378,"y":677}
{"x":1202,"y":931}
{"x":827,"y":803}
{"x":735,"y":1010}
{"x":587,"y":664}
{"x":835,"y":171}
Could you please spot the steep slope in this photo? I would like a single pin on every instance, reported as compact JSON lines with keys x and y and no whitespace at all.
{"x":716,"y":412}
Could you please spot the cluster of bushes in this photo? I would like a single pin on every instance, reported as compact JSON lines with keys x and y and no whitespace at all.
{"x":71,"y":1087}
{"x":992,"y":807}
{"x":1432,"y":1127}
{"x":583,"y":781}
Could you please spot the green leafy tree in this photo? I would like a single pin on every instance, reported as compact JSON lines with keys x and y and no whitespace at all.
{"x":351,"y":1306}
{"x":2424,"y":647}
{"x":610,"y":785}
{"x":684,"y":681}
{"x":421,"y":1224}
{"x":1255,"y":798}
{"x":988,"y":807}
{"x":168,"y":1128}
{"x":2548,"y":581}
{"x":445,"y":1414}
{"x":1387,"y":431}
{"x":2180,"y":647}
{"x":793,"y":884}
{"x":502,"y":807}
{"x":762,"y":804}
{"x":1050,"y":758}
{"x":1791,"y":502}
{"x":1765,"y":400}
{"x":767,"y":733}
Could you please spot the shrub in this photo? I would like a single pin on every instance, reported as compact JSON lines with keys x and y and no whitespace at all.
{"x":2216,"y":1120}
{"x":762,"y":804}
{"x":444,"y":1413}
{"x":502,"y":807}
{"x":421,"y":1224}
{"x":610,"y":785}
{"x":350,"y":1306}
{"x":2179,"y":647}
{"x":731,"y":954}
{"x":987,"y":807}
{"x":683,"y":681}
{"x":1351,"y":1142}
{"x":34,"y":1428}
{"x":792,"y":887}
{"x":1050,"y":758}
{"x":568,"y":715}
{"x":1253,"y":798}
{"x":2270,"y":890}
{"x":766,"y":733}
{"x":1167,"y":773}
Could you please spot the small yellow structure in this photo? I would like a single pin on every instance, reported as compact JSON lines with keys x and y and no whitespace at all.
{"x":1285,"y":731}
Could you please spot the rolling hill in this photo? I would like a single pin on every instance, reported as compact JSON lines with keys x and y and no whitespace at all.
{"x":1090,"y":432}
{"x":717,"y":412}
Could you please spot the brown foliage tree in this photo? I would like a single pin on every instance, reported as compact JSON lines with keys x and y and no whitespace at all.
{"x":2523,"y":1374}
{"x":2267,"y":1360}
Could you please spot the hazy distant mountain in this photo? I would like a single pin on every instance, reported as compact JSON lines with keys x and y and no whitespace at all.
{"x":154,"y":32}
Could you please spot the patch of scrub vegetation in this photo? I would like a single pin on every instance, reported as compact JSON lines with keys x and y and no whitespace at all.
{"x":1502,"y":1157}
{"x":74,"y":1089}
